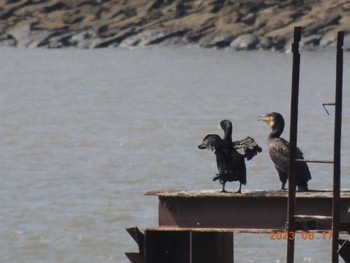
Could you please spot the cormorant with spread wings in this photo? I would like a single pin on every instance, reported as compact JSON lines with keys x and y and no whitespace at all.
{"x":230,"y":155}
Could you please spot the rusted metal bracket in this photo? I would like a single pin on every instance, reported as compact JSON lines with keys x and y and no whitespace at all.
{"x":139,"y":238}
{"x":327,"y":104}
{"x":344,"y":250}
{"x":313,"y":161}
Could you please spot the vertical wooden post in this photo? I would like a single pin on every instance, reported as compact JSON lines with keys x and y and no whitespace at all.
{"x":293,"y":143}
{"x":337,"y":146}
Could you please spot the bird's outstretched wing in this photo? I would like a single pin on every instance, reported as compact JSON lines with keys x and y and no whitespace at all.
{"x":247,"y":147}
{"x":211,"y":142}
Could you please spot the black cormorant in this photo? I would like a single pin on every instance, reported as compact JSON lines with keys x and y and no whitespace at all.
{"x":279,"y":153}
{"x":230,"y":155}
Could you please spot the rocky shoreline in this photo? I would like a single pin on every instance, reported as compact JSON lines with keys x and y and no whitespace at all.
{"x":240,"y":25}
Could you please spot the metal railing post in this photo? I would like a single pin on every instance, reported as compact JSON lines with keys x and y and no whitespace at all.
{"x":293,"y":144}
{"x":337,"y":146}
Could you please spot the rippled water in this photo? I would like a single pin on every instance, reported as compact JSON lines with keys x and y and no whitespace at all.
{"x":84,"y":134}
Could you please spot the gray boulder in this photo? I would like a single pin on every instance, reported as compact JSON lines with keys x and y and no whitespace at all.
{"x":245,"y":42}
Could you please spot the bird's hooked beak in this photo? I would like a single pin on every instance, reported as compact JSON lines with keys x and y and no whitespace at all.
{"x":268,"y":119}
{"x":202,"y":146}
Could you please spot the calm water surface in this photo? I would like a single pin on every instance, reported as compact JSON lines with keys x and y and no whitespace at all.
{"x":84,"y":134}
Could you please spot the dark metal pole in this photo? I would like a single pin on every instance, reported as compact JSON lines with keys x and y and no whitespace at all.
{"x":337,"y":146}
{"x":293,"y":143}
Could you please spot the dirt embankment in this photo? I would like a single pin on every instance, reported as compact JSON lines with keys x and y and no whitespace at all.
{"x":242,"y":24}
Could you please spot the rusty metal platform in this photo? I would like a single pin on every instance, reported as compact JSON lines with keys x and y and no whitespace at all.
{"x":252,"y":210}
{"x":191,"y":222}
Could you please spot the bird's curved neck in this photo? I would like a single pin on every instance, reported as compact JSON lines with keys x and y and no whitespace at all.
{"x":276,"y":132}
{"x":228,"y":134}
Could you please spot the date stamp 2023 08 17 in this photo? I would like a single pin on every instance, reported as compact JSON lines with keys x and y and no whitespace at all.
{"x":284,"y":235}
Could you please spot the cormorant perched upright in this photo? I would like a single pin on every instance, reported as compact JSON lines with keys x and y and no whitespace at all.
{"x":279,"y":153}
{"x":230,"y":155}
